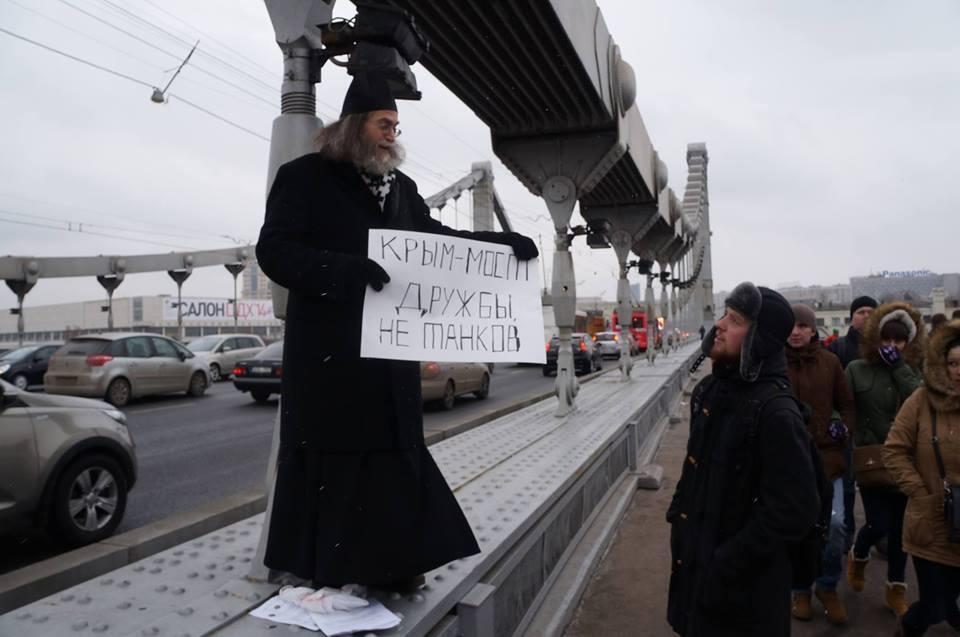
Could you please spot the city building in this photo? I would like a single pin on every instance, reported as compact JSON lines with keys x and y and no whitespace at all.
{"x":155,"y":314}
{"x":256,"y":285}
{"x":916,"y":285}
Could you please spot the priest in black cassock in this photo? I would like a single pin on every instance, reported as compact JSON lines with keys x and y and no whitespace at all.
{"x":358,"y":497}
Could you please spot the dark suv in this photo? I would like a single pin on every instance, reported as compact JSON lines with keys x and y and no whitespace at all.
{"x":24,"y":367}
{"x":586,"y":357}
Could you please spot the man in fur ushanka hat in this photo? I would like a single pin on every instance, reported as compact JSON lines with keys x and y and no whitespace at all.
{"x":748,"y":484}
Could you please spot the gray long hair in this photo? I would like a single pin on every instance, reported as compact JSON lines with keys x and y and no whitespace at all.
{"x":343,"y":140}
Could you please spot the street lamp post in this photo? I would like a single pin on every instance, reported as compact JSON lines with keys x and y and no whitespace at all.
{"x":235,"y":269}
{"x":179,"y":276}
{"x":110,"y":283}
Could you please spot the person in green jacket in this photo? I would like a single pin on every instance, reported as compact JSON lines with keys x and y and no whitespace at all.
{"x":882,"y":379}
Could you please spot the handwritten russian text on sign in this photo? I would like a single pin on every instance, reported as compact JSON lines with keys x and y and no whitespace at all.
{"x":451,"y":299}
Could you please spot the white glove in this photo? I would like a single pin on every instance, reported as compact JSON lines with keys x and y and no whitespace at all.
{"x":325,"y":600}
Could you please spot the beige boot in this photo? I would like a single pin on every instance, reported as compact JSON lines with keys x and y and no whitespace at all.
{"x":896,"y":598}
{"x":833,"y":605}
{"x":801,"y":608}
{"x":856,"y":572}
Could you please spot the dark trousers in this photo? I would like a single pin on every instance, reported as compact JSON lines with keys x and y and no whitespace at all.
{"x":884,"y":510}
{"x":939,"y":588}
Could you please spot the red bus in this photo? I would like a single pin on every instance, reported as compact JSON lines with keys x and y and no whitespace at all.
{"x":638,"y":327}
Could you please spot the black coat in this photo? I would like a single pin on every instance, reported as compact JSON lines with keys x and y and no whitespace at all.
{"x":358,"y":497}
{"x":847,"y":348}
{"x":733,"y":513}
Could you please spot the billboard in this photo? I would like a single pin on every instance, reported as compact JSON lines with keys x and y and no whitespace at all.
{"x":206,"y":310}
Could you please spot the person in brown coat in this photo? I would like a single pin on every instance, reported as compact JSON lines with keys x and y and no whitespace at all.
{"x":909,"y":455}
{"x":819,"y":382}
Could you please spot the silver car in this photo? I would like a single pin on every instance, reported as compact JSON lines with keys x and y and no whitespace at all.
{"x":223,"y":351}
{"x":121,"y":366}
{"x":608,"y":343}
{"x":443,"y":382}
{"x":66,"y":465}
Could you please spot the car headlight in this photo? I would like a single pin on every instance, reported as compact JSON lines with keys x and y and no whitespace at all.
{"x":119,"y":416}
{"x":4,"y":368}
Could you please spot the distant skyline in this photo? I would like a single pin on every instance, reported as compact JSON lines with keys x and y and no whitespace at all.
{"x":830,"y":128}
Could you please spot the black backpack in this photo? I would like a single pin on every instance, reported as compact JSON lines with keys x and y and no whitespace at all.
{"x":804,"y":554}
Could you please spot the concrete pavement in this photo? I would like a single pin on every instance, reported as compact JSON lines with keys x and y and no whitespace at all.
{"x":627,"y":594}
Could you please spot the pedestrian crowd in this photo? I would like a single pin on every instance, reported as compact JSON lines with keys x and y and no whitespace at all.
{"x":786,"y":432}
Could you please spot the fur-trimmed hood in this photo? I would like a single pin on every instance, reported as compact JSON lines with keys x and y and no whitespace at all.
{"x":943,"y":393}
{"x":870,"y":338}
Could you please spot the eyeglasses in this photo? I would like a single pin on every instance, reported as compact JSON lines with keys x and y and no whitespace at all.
{"x":389,"y":128}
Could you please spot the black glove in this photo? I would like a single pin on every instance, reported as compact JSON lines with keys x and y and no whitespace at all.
{"x":374,"y":275}
{"x":523,"y":247}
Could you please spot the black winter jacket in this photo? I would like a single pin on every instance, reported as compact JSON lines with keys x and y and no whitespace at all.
{"x":737,"y":504}
{"x":847,"y":348}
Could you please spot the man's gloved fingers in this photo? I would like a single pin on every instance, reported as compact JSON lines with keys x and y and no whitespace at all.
{"x":376,"y":285}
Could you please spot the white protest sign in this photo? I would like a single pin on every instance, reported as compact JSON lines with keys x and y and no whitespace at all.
{"x":451,"y":300}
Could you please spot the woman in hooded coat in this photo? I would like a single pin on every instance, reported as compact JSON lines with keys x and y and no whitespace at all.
{"x":910,"y":456}
{"x":885,"y":376}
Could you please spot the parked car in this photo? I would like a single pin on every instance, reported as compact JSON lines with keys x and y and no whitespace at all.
{"x":24,"y":367}
{"x":608,"y":343}
{"x":223,"y":351}
{"x":261,"y":375}
{"x":66,"y":465}
{"x":586,"y":357}
{"x":121,"y":366}
{"x":443,"y":382}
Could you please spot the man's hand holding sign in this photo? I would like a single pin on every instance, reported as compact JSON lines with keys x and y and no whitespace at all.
{"x":451,"y":299}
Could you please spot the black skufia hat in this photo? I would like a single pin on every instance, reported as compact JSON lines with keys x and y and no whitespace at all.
{"x":368,"y":92}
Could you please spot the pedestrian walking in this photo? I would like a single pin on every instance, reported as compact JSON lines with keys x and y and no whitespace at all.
{"x":847,"y":350}
{"x":358,"y":498}
{"x":922,"y":452}
{"x":702,"y":331}
{"x":887,"y":374}
{"x":818,"y":381}
{"x":748,"y":487}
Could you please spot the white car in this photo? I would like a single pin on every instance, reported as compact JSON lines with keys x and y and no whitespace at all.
{"x":222,"y":351}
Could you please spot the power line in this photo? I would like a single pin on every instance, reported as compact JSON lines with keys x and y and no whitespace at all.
{"x":97,"y":234}
{"x":165,"y":52}
{"x":76,"y":59}
{"x":220,"y":117}
{"x":135,"y":80}
{"x":85,"y":35}
{"x":209,"y":37}
{"x":139,"y":19}
{"x":74,"y":222}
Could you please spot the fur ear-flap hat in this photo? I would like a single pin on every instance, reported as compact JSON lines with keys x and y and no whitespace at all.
{"x":771,"y":321}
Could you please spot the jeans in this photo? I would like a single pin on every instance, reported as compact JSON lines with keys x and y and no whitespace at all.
{"x":831,"y":559}
{"x":884,"y":509}
{"x":939,"y":588}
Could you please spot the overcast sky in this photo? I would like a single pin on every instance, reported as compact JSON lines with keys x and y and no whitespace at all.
{"x":831,"y":129}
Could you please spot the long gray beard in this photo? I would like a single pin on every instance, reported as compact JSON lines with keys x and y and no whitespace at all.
{"x":368,"y":162}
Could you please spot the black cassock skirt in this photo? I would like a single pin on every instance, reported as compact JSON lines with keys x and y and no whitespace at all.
{"x":364,"y":518}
